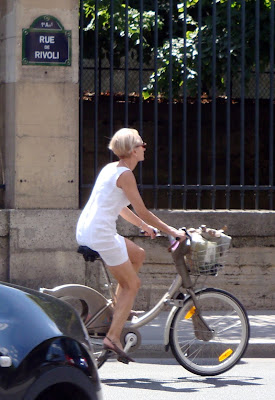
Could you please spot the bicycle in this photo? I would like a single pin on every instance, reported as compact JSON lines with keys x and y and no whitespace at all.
{"x":207,"y":329}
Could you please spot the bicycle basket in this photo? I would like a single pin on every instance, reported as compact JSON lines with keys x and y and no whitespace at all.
{"x":206,"y":257}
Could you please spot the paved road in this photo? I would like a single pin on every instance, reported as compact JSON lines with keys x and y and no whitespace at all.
{"x":163,"y":379}
{"x":261,"y":343}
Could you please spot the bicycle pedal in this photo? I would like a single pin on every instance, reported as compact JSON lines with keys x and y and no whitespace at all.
{"x":123,"y":360}
{"x":105,"y":356}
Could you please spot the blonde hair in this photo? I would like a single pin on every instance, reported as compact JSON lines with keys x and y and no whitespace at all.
{"x":124,"y":141}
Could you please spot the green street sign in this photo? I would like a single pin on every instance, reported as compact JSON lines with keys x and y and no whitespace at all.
{"x":46,"y":42}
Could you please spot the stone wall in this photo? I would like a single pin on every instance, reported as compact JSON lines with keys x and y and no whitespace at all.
{"x":38,"y":112}
{"x":38,"y":248}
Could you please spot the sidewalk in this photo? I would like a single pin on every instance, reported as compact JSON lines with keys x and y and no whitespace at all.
{"x":261,"y":343}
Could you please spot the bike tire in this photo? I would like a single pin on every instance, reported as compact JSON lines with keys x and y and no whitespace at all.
{"x":230,"y":330}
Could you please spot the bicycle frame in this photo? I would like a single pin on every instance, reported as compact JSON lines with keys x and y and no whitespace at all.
{"x":209,"y":347}
{"x":151,"y":314}
{"x":182,"y":280}
{"x":93,"y":300}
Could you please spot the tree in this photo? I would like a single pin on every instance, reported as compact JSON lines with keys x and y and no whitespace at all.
{"x":105,"y":30}
{"x":184,"y":52}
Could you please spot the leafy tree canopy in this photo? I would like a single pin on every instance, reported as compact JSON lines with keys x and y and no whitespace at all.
{"x":192,"y":37}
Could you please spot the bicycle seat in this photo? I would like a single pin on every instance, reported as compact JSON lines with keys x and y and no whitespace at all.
{"x":88,"y":254}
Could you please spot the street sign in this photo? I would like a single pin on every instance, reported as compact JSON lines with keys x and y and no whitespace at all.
{"x":46,"y":42}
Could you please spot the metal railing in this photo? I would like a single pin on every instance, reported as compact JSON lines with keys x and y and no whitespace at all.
{"x":208,"y":120}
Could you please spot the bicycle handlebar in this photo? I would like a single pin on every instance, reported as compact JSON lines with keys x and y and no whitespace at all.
{"x":175,"y":241}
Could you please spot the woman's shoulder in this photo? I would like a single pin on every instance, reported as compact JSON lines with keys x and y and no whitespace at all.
{"x":113,"y":169}
{"x":110,"y":166}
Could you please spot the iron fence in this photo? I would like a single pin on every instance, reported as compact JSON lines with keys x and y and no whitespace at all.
{"x":197,"y":80}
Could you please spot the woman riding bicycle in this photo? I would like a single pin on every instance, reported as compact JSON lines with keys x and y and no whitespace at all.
{"x":114,"y":190}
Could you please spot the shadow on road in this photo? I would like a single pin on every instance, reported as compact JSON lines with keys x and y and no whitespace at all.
{"x":174,"y":385}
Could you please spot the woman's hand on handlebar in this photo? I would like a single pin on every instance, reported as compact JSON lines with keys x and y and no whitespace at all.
{"x":178,"y":234}
{"x":149,"y":230}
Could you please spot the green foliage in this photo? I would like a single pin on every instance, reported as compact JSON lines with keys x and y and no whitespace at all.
{"x":198,"y":42}
{"x":135,"y":33}
{"x":222,"y":50}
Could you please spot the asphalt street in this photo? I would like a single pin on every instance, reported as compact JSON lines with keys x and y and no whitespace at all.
{"x":261,"y":343}
{"x":164,"y":379}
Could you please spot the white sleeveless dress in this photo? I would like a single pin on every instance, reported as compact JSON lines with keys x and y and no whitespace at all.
{"x":96,"y":227}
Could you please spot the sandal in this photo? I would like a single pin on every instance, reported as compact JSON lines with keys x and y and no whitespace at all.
{"x":122,"y":356}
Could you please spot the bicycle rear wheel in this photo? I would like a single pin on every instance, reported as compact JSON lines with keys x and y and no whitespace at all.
{"x":210,"y":352}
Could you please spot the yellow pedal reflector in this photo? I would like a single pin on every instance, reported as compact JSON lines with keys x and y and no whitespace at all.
{"x":225,"y":355}
{"x":190,"y":313}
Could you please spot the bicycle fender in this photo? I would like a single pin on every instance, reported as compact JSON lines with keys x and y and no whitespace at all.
{"x":168,"y":327}
{"x":169,"y":323}
{"x":77,"y":291}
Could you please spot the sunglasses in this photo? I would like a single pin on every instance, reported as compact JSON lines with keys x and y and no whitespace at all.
{"x":143,"y":144}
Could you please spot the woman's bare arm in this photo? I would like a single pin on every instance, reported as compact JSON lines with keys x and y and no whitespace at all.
{"x":131,"y":217}
{"x":127,"y":182}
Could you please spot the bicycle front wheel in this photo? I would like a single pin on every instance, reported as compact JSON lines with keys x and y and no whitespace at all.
{"x":215,"y":343}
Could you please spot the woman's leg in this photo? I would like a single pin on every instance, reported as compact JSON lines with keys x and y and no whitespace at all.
{"x":129,"y":284}
{"x":136,"y":256}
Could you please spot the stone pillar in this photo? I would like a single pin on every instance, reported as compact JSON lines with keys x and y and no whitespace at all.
{"x":38,"y":111}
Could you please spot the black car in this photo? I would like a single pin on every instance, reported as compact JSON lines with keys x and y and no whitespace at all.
{"x":45,"y":352}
